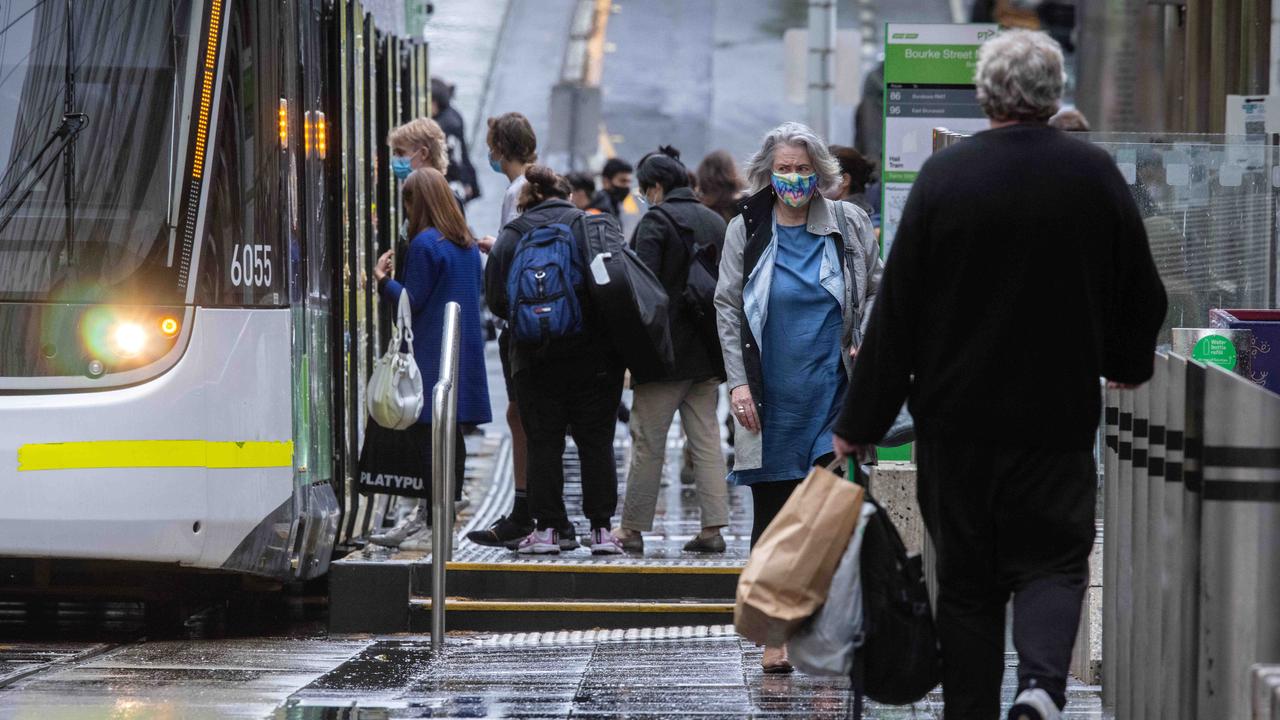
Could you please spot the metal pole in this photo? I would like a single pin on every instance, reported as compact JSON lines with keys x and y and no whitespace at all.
{"x":1140,"y":633}
{"x":1155,"y":574}
{"x":444,"y":421}
{"x":822,"y":50}
{"x":1122,"y":530}
{"x":1177,"y":653}
{"x":1240,"y":556}
{"x":1193,"y":374}
{"x":1110,"y":546}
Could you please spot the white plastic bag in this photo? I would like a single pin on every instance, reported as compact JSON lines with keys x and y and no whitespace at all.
{"x":395,"y":385}
{"x":825,"y":645}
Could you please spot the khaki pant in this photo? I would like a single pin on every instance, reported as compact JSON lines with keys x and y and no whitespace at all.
{"x":653,"y":409}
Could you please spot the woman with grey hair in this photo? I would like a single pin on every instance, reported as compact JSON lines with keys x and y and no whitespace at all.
{"x":797,"y":276}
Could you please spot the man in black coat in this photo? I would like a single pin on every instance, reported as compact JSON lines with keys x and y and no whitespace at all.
{"x":666,"y":239}
{"x":461,"y":174}
{"x":1019,"y":275}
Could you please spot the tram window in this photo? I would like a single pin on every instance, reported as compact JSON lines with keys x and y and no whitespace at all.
{"x":242,"y":261}
{"x":127,"y":56}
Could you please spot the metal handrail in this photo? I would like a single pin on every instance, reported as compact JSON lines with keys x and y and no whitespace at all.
{"x":444,"y":427}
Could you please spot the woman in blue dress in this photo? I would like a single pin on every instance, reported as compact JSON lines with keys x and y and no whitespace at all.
{"x":442,"y":266}
{"x":797,"y":279}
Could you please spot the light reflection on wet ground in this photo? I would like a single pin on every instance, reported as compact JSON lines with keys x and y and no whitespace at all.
{"x":677,"y":672}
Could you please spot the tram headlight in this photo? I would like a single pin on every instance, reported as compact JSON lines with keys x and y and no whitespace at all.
{"x":169,"y":326}
{"x":130,"y":339}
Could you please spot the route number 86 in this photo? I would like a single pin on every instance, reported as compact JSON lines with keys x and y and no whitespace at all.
{"x":251,"y":265}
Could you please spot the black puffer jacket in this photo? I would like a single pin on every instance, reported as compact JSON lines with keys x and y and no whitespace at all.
{"x":662,"y":248}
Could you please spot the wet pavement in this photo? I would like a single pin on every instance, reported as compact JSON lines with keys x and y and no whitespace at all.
{"x":706,"y":672}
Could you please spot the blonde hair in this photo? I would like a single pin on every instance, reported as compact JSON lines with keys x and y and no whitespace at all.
{"x":422,"y":133}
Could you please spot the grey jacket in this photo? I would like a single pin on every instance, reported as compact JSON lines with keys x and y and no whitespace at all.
{"x":746,"y":269}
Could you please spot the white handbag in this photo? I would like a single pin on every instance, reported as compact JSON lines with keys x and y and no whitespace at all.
{"x":395,"y":385}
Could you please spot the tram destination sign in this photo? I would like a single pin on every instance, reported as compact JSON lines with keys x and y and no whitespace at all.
{"x":928,"y":78}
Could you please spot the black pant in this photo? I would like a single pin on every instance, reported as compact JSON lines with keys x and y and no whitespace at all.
{"x":1005,"y":522}
{"x":767,"y":498}
{"x":581,"y":396}
{"x":459,"y":458}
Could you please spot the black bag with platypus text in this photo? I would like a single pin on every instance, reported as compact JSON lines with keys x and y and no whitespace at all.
{"x":393,"y":462}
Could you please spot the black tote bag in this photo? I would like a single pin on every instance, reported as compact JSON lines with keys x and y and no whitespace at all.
{"x":395,"y":462}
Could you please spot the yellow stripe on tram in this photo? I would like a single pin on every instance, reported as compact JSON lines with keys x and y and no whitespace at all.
{"x":155,"y":453}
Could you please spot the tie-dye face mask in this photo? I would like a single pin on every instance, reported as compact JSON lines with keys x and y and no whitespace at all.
{"x":795,"y":189}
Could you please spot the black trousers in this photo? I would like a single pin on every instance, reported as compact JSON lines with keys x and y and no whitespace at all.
{"x":767,"y":499}
{"x":1006,"y":522}
{"x":459,"y":458}
{"x":579,"y":396}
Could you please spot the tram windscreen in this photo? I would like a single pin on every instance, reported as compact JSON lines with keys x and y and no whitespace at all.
{"x":108,"y":240}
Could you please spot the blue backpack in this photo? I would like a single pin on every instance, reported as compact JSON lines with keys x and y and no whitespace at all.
{"x":541,"y":284}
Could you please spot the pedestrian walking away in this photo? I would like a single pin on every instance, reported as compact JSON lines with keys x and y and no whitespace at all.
{"x":512,"y":150}
{"x":567,"y":377}
{"x":443,"y":266}
{"x":461,"y":173}
{"x":668,"y":239}
{"x":798,"y":275}
{"x":1020,"y":236}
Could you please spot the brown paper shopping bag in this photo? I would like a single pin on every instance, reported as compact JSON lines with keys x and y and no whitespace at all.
{"x":789,"y":572}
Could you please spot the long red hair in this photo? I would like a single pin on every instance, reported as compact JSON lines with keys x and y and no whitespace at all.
{"x":429,"y":203}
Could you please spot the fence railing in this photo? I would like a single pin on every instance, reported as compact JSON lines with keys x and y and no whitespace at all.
{"x":1192,"y":547}
{"x":444,"y":428}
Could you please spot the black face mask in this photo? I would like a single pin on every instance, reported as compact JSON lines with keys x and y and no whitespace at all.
{"x":619,"y":193}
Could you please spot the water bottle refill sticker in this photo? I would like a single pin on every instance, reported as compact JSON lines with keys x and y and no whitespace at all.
{"x":598,"y":271}
{"x":1216,"y":350}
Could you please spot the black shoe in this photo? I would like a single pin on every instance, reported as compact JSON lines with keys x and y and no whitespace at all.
{"x":569,"y":538}
{"x":699,"y":544}
{"x":502,"y":533}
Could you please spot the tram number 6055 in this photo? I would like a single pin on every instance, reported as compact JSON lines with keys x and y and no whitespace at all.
{"x":251,"y":265}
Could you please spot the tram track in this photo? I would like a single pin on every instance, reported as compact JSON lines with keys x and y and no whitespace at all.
{"x":27,"y":660}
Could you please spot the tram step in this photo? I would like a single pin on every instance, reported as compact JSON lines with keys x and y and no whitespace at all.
{"x":582,"y":581}
{"x":543,"y":615}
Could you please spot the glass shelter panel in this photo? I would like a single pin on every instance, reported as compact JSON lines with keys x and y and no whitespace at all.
{"x":1209,"y":207}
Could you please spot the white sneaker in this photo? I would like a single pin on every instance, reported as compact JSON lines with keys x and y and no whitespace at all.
{"x":419,"y":541}
{"x":410,"y":525}
{"x":1034,"y":704}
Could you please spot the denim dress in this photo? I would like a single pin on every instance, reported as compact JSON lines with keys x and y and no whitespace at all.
{"x":800,"y":356}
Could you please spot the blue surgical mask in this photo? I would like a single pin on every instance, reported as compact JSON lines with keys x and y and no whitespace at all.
{"x":497,"y":166}
{"x":401,"y":167}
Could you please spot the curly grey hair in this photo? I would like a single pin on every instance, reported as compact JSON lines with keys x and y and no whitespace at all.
{"x":1020,"y":76}
{"x":760,"y":166}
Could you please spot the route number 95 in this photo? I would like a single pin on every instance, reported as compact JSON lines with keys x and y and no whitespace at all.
{"x":251,"y":265}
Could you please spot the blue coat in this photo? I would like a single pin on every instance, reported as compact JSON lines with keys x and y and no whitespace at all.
{"x":437,"y":271}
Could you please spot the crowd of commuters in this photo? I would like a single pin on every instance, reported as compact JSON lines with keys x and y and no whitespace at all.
{"x":819,"y":343}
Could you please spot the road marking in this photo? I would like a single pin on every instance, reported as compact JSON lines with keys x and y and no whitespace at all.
{"x":212,"y":454}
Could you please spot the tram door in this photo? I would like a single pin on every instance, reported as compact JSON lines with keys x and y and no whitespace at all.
{"x":311,"y":259}
{"x":349,"y":169}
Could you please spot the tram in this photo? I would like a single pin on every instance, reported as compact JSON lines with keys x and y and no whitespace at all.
{"x":192,"y":196}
